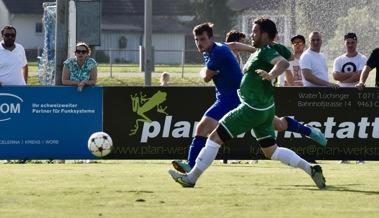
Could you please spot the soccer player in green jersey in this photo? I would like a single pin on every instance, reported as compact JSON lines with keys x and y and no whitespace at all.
{"x":256,"y":111}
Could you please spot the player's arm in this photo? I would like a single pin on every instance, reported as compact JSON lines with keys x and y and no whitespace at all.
{"x":207,"y":74}
{"x":280,"y":65}
{"x":237,"y":46}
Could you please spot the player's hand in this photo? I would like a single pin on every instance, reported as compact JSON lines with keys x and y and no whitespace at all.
{"x":360,"y":86}
{"x":203,"y":72}
{"x":264,"y":75}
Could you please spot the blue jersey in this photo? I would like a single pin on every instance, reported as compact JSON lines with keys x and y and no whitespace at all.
{"x":228,"y":72}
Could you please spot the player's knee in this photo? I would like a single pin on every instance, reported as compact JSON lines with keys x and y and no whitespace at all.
{"x":205,"y":127}
{"x":223,"y":134}
{"x":266,"y":144}
{"x":280,"y":124}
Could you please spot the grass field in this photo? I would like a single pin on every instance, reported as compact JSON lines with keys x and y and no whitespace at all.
{"x":143,"y":188}
{"x":177,"y":78}
{"x":136,"y":188}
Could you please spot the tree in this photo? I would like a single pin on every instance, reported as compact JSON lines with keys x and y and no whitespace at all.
{"x":363,"y":22}
{"x":216,"y":12}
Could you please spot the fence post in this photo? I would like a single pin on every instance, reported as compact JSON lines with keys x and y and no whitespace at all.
{"x":183,"y":60}
{"x":110,"y":62}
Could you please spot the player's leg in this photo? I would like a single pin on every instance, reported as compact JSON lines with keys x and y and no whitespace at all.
{"x":205,"y":126}
{"x":266,"y":138}
{"x":203,"y":161}
{"x":231,"y":126}
{"x":292,"y":125}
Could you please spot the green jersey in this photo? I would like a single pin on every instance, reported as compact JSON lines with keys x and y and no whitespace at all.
{"x":258,"y":93}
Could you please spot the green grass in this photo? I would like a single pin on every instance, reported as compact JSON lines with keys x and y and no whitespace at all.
{"x":126,"y":68}
{"x":105,"y":80}
{"x":144,"y":189}
{"x":180,"y":79}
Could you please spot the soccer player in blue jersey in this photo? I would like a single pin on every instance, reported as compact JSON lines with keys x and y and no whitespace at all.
{"x":223,"y":68}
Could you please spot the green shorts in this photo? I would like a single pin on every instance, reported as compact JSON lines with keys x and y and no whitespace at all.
{"x":243,"y":119}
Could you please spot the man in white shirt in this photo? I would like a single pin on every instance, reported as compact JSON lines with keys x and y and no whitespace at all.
{"x":313,"y":64}
{"x":347,"y":68}
{"x":13,"y":63}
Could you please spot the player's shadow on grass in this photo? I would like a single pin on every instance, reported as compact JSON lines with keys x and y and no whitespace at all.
{"x":346,"y":189}
{"x":338,"y":189}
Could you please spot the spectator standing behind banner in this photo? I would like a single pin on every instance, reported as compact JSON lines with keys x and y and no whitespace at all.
{"x":165,"y":77}
{"x":80,"y":71}
{"x":372,"y":62}
{"x":313,"y":64}
{"x":293,"y":75}
{"x":347,"y":68}
{"x":13,"y":63}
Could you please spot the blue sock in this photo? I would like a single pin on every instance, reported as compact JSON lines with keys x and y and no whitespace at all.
{"x":197,"y":144}
{"x":295,"y":126}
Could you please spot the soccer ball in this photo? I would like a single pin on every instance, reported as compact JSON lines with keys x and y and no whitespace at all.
{"x":100,"y":144}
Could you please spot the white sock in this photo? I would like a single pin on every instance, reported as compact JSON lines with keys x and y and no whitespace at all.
{"x":204,"y":160}
{"x":290,"y":158}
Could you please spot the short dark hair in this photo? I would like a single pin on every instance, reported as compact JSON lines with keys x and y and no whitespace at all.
{"x":234,"y":36}
{"x":204,"y":27}
{"x":301,"y":37}
{"x":267,"y":26}
{"x":8,"y":27}
{"x":350,"y":36}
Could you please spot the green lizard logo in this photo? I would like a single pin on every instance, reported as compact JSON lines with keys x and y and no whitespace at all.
{"x":141,"y":105}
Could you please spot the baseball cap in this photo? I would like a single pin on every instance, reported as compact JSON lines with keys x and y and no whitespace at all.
{"x":350,"y":36}
{"x":298,"y":37}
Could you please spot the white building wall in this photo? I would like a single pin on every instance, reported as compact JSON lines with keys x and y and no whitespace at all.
{"x":25,"y":25}
{"x":168,"y":47}
{"x":4,"y":14}
{"x":110,"y":45}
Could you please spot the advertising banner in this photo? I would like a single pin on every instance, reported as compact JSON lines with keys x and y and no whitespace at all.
{"x":48,"y":122}
{"x":348,"y":118}
{"x":159,"y":122}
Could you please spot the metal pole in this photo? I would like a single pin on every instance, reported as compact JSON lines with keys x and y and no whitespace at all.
{"x":110,"y":62}
{"x":183,"y":60}
{"x":71,"y":29}
{"x":148,"y":59}
{"x":61,"y":42}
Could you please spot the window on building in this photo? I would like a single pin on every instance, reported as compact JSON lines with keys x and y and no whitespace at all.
{"x":123,"y":42}
{"x":39,"y":28}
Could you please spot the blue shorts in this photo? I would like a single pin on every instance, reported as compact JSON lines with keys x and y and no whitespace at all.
{"x":222,"y":106}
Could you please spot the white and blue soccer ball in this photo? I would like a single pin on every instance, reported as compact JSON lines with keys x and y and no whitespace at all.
{"x":100,"y":144}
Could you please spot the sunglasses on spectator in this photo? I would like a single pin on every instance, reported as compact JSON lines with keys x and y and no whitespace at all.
{"x":81,"y":51}
{"x":8,"y":35}
{"x":298,"y":43}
